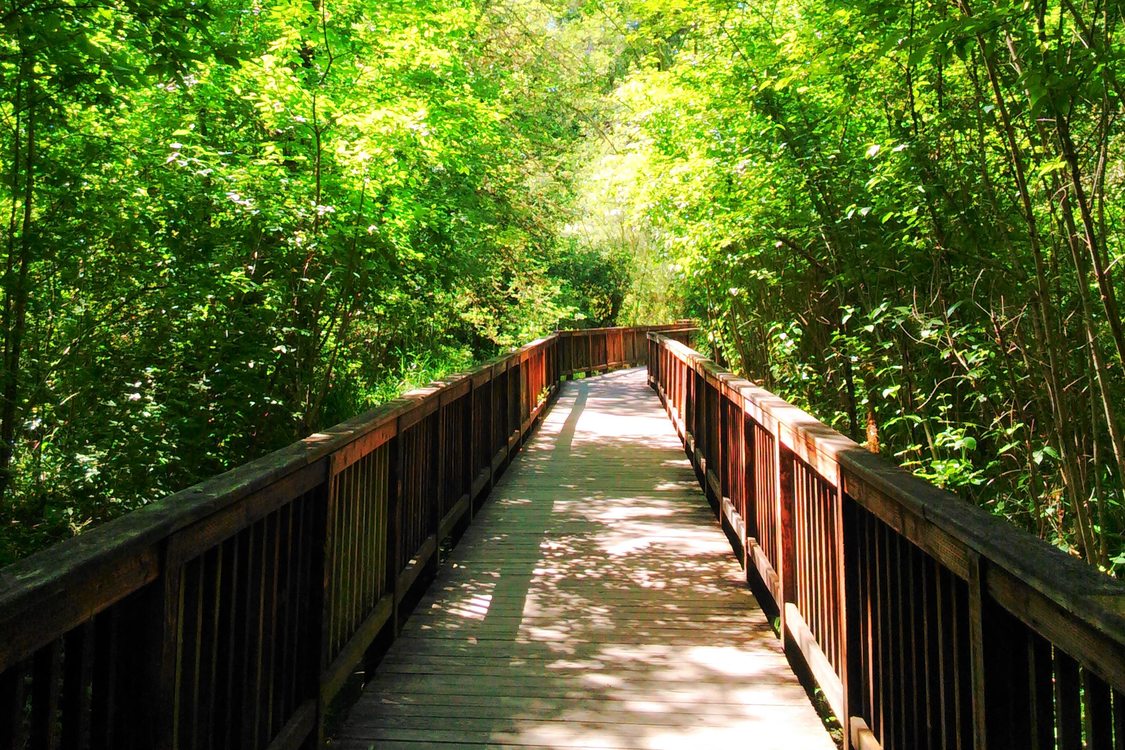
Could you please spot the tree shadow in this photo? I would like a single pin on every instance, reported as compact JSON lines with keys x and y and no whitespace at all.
{"x":594,"y":603}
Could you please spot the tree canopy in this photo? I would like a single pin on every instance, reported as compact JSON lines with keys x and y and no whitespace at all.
{"x":906,"y":217}
{"x":226,"y":224}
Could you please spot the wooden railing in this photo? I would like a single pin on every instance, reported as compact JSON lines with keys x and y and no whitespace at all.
{"x":232,"y":614}
{"x":926,"y":622}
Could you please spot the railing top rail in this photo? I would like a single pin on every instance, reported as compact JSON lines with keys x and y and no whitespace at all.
{"x":637,"y":329}
{"x":1064,"y":599}
{"x":127,"y":549}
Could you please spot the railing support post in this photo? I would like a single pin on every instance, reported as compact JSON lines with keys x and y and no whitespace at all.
{"x":976,"y":650}
{"x":394,"y":547}
{"x":783,"y":491}
{"x":156,"y":654}
{"x":848,"y":596}
{"x":437,"y":461}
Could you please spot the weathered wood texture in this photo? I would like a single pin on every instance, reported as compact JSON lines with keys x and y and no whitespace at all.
{"x":231,"y":614}
{"x":927,"y":622}
{"x":594,"y":604}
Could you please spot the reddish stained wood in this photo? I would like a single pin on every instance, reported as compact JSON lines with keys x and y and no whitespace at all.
{"x":1053,"y":596}
{"x":504,"y":605}
{"x":196,"y":539}
{"x":361,"y":447}
{"x":427,"y":403}
{"x":823,"y":671}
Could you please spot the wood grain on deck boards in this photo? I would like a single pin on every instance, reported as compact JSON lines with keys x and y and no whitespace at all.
{"x":593,"y":603}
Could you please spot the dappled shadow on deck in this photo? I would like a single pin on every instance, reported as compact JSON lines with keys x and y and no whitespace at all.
{"x":594,"y":603}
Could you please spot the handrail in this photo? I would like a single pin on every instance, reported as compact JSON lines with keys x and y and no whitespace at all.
{"x":234,"y":613}
{"x":927,"y":622}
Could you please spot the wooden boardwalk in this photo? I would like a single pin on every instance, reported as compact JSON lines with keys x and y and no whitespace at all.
{"x":592,"y":604}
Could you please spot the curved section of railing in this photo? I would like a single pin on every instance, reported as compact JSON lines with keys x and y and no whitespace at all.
{"x":926,"y":622}
{"x":231,"y":615}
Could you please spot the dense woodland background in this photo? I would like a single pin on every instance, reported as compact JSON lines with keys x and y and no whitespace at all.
{"x":228,"y":223}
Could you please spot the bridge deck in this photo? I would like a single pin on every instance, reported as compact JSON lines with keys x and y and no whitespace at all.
{"x":592,"y":604}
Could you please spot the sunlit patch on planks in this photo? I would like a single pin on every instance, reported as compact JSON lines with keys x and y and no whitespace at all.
{"x":594,"y":603}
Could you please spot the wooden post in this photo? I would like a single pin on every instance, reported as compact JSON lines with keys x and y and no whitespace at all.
{"x":394,"y":545}
{"x":488,"y":426}
{"x":145,"y":675}
{"x":783,"y":492}
{"x":749,"y":501}
{"x":469,"y":453}
{"x":436,"y":490}
{"x":327,"y":601}
{"x":976,"y":650}
{"x":848,"y":602}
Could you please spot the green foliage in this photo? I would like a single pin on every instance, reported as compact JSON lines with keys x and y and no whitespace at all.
{"x":226,"y":225}
{"x":900,"y":216}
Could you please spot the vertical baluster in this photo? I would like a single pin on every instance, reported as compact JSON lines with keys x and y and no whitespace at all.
{"x":251,"y":637}
{"x":1099,"y":714}
{"x":1041,"y":710}
{"x":914,"y":591}
{"x":234,"y":596}
{"x":78,"y":669}
{"x":883,"y":665}
{"x":209,"y":615}
{"x":46,"y":666}
{"x":1068,"y":705}
{"x":394,"y":514}
{"x":284,"y":646}
{"x":931,"y":666}
{"x":191,"y":635}
{"x":1118,"y":720}
{"x":269,"y":630}
{"x":783,"y":492}
{"x":13,"y":698}
{"x":896,"y":599}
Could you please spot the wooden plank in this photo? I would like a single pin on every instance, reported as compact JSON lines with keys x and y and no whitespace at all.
{"x":351,"y":655}
{"x":822,"y":670}
{"x":481,"y":376}
{"x":499,"y":458}
{"x":218,"y":527}
{"x":414,"y":568}
{"x":1078,"y":609}
{"x":45,"y":697}
{"x":76,"y":600}
{"x":481,"y":482}
{"x":593,"y":581}
{"x":359,"y":448}
{"x":1047,"y":617}
{"x":79,"y":666}
{"x":976,"y":647}
{"x":1068,"y":703}
{"x":458,"y":386}
{"x":862,"y":738}
{"x":86,"y":575}
{"x":426,"y":403}
{"x":765,"y":570}
{"x":732,"y":516}
{"x":453,"y":517}
{"x":12,"y":699}
{"x":293,"y":735}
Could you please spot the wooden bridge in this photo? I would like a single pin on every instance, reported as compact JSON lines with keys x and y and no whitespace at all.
{"x":593,"y":602}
